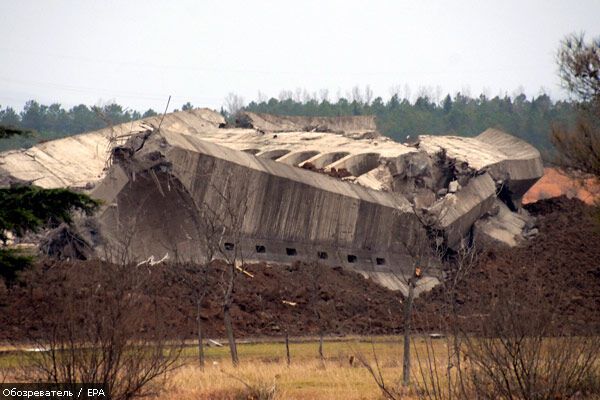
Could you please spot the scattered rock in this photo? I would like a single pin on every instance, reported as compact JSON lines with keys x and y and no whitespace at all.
{"x":453,"y":187}
{"x":531,"y":233}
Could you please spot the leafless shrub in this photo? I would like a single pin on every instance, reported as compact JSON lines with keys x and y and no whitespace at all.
{"x":579,"y":70}
{"x":435,"y":376}
{"x":526,"y":352}
{"x":389,"y":391}
{"x":223,"y":232}
{"x":195,"y":279}
{"x":317,"y":304}
{"x":99,"y":323}
{"x":440,"y":376}
{"x":578,"y":147}
{"x":258,"y":390}
{"x":234,"y":104}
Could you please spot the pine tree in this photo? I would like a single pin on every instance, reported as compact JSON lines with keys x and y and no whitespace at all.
{"x":28,"y":208}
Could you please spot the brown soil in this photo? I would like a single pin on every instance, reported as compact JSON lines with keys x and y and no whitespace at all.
{"x":562,"y":263}
{"x":559,"y":269}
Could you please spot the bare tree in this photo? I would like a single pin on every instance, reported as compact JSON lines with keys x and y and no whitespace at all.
{"x":427,"y":256}
{"x":431,"y":377}
{"x":223,"y":229}
{"x":324,"y":95}
{"x":194,"y":277}
{"x":395,"y":90}
{"x":234,"y":104}
{"x":407,"y":321}
{"x":579,"y":66}
{"x":261,"y":97}
{"x":368,"y":95}
{"x":99,"y":323}
{"x":356,"y":95}
{"x":579,"y":70}
{"x":317,"y":305}
{"x":425,"y":260}
{"x":286,"y":95}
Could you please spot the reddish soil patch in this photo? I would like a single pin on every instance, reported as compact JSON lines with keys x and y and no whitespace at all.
{"x":555,"y":184}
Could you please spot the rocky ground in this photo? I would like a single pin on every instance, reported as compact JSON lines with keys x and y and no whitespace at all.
{"x":561,"y":266}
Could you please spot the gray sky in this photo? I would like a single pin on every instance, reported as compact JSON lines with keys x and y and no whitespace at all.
{"x":139,"y":52}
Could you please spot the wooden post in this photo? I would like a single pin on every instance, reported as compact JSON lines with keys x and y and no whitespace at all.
{"x":321,"y":356}
{"x":287,"y":347}
{"x":200,"y":335}
{"x":407,"y":327}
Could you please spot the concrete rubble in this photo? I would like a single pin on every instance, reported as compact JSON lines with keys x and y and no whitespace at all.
{"x":283,"y":189}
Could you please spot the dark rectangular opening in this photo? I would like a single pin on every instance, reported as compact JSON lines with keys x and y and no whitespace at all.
{"x":229,"y":246}
{"x":352,"y":258}
{"x":322,"y":255}
{"x":260,"y":248}
{"x":380,"y":261}
{"x":290,"y":252}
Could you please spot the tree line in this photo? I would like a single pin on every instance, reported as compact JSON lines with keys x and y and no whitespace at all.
{"x":48,"y":122}
{"x":530,"y":118}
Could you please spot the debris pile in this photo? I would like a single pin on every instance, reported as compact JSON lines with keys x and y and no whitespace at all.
{"x":286,"y":189}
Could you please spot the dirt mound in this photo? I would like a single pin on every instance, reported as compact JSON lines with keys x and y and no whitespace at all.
{"x":269,"y":299}
{"x":554,"y":184}
{"x":562,"y":263}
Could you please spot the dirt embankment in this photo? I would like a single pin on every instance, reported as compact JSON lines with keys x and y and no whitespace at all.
{"x":562,"y":263}
{"x":559,"y":269}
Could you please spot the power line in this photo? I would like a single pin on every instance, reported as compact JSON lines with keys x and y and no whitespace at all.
{"x":320,"y":71}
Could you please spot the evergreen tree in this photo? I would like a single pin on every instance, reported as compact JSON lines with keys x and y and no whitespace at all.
{"x":149,"y":113}
{"x":27,"y":208}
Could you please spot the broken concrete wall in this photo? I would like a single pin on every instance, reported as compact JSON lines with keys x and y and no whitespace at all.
{"x":80,"y":161}
{"x":502,"y":226}
{"x":173,"y":177}
{"x":518,"y":171}
{"x":351,"y":125}
{"x":454,"y":181}
{"x":385,"y":199}
{"x":455,"y":213}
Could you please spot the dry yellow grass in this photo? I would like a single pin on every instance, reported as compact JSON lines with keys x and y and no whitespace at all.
{"x":306,"y":378}
{"x":263,"y":365}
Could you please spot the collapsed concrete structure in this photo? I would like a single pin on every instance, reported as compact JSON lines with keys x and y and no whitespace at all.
{"x":281,"y":189}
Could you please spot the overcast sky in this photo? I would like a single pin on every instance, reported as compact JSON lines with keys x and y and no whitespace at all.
{"x":140,"y":52}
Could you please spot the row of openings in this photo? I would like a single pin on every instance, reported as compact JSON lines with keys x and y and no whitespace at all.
{"x":322,"y":255}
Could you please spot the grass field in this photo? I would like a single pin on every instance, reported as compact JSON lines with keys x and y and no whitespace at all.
{"x":263,"y":368}
{"x":263,"y":372}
